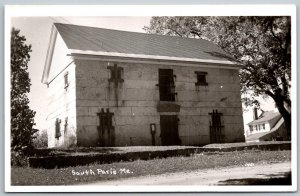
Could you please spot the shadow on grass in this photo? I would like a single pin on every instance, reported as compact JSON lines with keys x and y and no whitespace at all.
{"x":283,"y":178}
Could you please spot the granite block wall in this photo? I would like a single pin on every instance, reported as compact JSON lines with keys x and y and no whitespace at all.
{"x":134,"y":102}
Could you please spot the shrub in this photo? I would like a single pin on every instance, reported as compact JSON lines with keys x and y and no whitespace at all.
{"x":41,"y":140}
{"x":18,"y":158}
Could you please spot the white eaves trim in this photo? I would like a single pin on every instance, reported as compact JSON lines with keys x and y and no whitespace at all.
{"x":157,"y":57}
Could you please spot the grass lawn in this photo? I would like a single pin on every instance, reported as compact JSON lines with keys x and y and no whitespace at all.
{"x":97,"y":172}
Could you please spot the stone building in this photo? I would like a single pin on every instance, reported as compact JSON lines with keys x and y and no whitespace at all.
{"x":117,"y":88}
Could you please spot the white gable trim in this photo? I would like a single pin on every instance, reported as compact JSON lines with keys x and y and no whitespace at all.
{"x":143,"y":56}
{"x":49,"y":55}
{"x":156,"y":61}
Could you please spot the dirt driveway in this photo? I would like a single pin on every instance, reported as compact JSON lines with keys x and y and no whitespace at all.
{"x":208,"y":177}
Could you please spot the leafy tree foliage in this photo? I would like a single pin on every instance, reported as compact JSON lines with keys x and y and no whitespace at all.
{"x":41,"y":139}
{"x":261,"y":44}
{"x":22,"y":117}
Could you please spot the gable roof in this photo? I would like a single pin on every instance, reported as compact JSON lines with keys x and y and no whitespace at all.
{"x":265,"y":117}
{"x":105,"y":41}
{"x":92,"y":41}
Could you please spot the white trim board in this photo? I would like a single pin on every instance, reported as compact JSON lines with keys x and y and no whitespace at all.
{"x":144,"y":56}
{"x":155,"y":61}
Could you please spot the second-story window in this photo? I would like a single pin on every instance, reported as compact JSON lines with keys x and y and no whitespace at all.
{"x":201,"y":78}
{"x":115,"y":74}
{"x":66,"y":79}
{"x":166,"y":85}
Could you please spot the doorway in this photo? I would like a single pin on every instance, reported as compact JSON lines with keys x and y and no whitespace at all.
{"x":169,"y":130}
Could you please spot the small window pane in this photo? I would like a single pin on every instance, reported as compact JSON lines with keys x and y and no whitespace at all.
{"x":66,"y":80}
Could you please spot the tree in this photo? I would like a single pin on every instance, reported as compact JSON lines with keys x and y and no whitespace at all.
{"x":41,"y":139}
{"x":22,"y":117}
{"x":262,"y":45}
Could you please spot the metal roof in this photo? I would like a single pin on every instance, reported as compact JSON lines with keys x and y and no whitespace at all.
{"x":85,"y":38}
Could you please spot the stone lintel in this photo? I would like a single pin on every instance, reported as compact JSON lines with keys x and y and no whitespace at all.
{"x":168,"y":107}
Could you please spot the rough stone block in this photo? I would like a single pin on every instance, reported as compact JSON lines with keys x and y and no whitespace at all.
{"x":136,"y":72}
{"x":82,"y":111}
{"x":232,"y":119}
{"x":147,"y":103}
{"x":181,"y":86}
{"x":144,"y":111}
{"x":194,"y":140}
{"x":90,"y":93}
{"x":189,"y":111}
{"x":129,"y":135}
{"x":187,"y":96}
{"x":141,"y":94}
{"x":92,"y":81}
{"x":136,"y":120}
{"x":168,"y":107}
{"x":141,"y":84}
{"x":87,"y":120}
{"x":87,"y":136}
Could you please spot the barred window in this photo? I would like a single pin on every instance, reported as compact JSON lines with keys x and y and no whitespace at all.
{"x":166,"y":85}
{"x":115,"y":74}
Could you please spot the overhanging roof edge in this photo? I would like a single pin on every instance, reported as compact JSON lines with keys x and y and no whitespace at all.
{"x":156,"y":57}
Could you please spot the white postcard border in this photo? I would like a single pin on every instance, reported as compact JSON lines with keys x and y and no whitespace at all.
{"x":149,"y":10}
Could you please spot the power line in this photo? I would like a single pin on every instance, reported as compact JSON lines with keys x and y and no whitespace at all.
{"x":55,"y":19}
{"x":65,"y":20}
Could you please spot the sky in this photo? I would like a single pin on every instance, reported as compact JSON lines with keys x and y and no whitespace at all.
{"x":37,"y":32}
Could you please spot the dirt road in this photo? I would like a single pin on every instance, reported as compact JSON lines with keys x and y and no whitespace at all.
{"x":207,"y":177}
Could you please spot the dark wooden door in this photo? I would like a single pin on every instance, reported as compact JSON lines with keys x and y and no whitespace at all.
{"x":216,"y":128}
{"x":169,"y":130}
{"x":106,"y":130}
